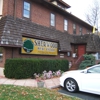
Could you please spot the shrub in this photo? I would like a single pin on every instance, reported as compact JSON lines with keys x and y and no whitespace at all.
{"x":89,"y":60}
{"x":25,"y":68}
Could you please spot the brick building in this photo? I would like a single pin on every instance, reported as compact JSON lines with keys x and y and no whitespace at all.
{"x":43,"y":29}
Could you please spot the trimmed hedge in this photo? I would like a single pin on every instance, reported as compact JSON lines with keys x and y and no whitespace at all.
{"x":25,"y":68}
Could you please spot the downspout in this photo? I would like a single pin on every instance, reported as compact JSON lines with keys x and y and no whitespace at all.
{"x":14,"y":15}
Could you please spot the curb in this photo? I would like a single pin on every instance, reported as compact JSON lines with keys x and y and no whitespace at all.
{"x":70,"y":95}
{"x":55,"y":87}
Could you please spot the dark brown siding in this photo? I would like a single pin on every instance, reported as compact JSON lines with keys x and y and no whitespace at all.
{"x":15,"y":53}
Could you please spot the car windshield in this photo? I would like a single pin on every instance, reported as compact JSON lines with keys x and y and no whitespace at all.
{"x":94,"y":69}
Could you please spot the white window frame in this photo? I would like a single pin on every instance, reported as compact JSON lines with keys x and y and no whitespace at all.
{"x":80,"y":29}
{"x":52,"y":19}
{"x":74,"y":28}
{"x":98,"y":56}
{"x":65,"y":25}
{"x":27,"y":9}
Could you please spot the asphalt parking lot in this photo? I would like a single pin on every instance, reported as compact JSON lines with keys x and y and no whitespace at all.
{"x":82,"y":95}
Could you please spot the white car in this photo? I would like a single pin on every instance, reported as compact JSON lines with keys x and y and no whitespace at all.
{"x":87,"y":80}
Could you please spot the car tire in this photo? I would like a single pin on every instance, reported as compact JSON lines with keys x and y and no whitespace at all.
{"x":71,"y":85}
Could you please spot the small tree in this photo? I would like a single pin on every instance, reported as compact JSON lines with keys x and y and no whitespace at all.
{"x":89,"y":60}
{"x":93,"y":14}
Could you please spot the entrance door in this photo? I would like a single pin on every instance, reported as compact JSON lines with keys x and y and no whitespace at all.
{"x":81,"y":50}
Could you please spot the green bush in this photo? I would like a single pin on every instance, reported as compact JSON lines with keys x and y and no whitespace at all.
{"x":25,"y":68}
{"x":89,"y":60}
{"x":89,"y":57}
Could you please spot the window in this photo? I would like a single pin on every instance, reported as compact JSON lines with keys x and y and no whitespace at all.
{"x":65,"y":24}
{"x":88,"y":32}
{"x":26,"y":12}
{"x":74,"y":28}
{"x":98,"y":55}
{"x":52,"y":19}
{"x":94,"y":70}
{"x":76,"y":50}
{"x":61,"y":55}
{"x":1,"y":54}
{"x":80,"y":30}
{"x":68,"y":54}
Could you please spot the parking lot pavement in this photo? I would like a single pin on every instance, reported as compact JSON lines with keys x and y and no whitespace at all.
{"x":82,"y":95}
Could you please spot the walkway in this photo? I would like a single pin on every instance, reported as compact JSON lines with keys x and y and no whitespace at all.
{"x":49,"y":83}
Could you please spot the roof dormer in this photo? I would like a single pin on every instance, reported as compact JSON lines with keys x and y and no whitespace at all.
{"x":60,"y":4}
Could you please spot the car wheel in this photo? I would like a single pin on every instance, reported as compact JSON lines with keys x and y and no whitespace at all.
{"x":71,"y":85}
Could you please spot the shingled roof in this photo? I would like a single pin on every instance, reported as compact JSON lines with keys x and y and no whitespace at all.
{"x":93,"y":43}
{"x":12,"y":30}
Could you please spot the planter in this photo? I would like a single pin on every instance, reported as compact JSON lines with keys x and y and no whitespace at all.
{"x":40,"y":84}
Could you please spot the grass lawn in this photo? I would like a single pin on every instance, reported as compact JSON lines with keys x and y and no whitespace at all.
{"x":10,"y":92}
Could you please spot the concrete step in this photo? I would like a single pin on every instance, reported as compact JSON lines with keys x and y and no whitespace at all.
{"x":74,"y":67}
{"x":1,"y":71}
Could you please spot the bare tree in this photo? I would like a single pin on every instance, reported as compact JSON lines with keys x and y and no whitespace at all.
{"x":93,"y":14}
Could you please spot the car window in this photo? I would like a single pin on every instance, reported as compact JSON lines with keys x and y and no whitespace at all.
{"x":94,"y":70}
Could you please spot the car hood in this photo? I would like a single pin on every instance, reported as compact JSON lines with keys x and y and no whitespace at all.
{"x":74,"y":71}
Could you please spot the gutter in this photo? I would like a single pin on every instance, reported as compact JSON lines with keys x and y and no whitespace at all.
{"x":14,"y":14}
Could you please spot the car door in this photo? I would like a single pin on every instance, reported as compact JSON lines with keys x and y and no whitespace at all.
{"x":90,"y":81}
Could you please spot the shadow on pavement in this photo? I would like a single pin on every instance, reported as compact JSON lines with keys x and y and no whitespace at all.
{"x":82,"y":95}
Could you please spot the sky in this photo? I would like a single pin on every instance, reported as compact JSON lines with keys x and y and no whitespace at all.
{"x":79,"y":7}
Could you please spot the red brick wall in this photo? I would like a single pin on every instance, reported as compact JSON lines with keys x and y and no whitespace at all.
{"x":59,"y":22}
{"x":7,"y":53}
{"x":19,"y":7}
{"x":70,"y":27}
{"x":39,"y":14}
{"x":77,"y":28}
{"x":2,"y":62}
{"x":84,"y":31}
{"x":5,"y":7}
{"x":8,"y":7}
